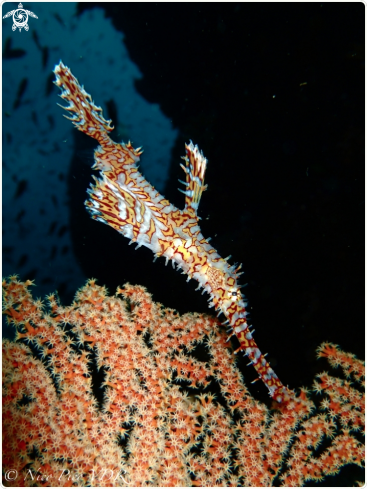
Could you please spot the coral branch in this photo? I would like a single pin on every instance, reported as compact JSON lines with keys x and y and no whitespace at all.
{"x":118,"y":391}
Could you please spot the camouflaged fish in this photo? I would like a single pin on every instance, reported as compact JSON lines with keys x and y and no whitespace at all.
{"x":123,"y":199}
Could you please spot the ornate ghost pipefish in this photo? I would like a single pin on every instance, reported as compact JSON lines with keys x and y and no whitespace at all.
{"x":123,"y":199}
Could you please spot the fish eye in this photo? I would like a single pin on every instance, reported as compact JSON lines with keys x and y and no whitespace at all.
{"x":234,"y":293}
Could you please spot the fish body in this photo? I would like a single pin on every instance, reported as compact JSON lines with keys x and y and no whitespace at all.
{"x":124,"y":200}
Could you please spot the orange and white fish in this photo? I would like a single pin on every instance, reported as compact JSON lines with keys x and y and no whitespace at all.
{"x":123,"y":199}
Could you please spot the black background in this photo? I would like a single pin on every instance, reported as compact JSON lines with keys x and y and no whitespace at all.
{"x":274,"y":96}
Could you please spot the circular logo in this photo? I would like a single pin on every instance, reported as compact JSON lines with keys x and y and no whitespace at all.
{"x":20,"y":19}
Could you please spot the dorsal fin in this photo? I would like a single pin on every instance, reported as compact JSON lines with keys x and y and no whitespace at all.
{"x":195,"y":173}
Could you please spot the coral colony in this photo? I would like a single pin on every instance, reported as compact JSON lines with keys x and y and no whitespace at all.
{"x":112,"y":390}
{"x":158,"y":423}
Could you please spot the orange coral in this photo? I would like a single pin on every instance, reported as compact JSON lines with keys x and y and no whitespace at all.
{"x":94,"y":394}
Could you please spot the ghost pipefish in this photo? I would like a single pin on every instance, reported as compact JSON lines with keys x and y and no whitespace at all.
{"x":123,"y":199}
